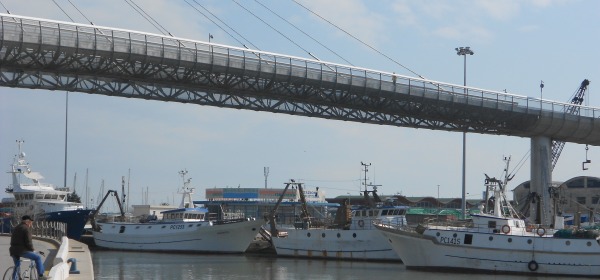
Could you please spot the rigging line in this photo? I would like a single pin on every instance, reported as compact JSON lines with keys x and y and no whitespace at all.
{"x":292,"y":41}
{"x":521,"y":163}
{"x":317,"y":41}
{"x":63,"y":10}
{"x":241,"y":43}
{"x":357,"y":39}
{"x":80,"y":12}
{"x":133,"y":7}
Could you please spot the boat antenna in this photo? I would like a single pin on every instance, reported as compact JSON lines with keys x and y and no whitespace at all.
{"x":366,"y":169}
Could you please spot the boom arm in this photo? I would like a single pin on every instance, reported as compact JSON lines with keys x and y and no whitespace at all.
{"x":93,"y":219}
{"x":557,"y":146}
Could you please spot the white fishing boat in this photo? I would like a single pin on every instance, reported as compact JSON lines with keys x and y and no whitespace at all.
{"x":497,"y":241}
{"x":351,"y":236}
{"x":43,"y":201}
{"x":185,"y":229}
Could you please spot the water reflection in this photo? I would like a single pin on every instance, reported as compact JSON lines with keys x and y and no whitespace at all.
{"x":136,"y":265}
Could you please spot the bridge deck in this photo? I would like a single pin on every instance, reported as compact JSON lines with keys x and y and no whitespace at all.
{"x":53,"y":55}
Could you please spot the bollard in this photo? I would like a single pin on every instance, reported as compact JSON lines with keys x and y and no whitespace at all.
{"x":73,"y":269}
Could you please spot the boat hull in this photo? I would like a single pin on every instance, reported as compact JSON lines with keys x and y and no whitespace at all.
{"x":335,"y":244}
{"x":178,"y":237}
{"x":495,"y":252}
{"x":74,"y":219}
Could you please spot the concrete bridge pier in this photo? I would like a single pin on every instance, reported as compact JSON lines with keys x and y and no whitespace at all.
{"x":541,"y":211}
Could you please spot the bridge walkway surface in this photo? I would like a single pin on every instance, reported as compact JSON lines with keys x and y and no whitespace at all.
{"x":75,"y":250}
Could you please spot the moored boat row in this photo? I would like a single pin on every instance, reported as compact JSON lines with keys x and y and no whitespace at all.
{"x":495,"y":240}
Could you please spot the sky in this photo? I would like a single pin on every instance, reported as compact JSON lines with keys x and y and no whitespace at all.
{"x":516,"y":43}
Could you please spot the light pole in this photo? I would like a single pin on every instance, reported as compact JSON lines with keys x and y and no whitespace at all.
{"x":438,"y":202}
{"x":464,"y":52}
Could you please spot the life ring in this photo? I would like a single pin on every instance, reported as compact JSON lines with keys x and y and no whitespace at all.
{"x":505,"y":229}
{"x":533,"y":265}
{"x":541,"y":231}
{"x":361,"y":223}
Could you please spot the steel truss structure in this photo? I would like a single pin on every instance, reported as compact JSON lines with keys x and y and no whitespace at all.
{"x":53,"y":55}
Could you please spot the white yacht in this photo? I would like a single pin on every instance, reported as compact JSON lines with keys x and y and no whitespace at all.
{"x":43,"y":201}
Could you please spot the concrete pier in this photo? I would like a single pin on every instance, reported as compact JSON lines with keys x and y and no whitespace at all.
{"x":57,"y":258}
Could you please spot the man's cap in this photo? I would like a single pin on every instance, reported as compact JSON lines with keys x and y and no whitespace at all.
{"x":26,"y":217}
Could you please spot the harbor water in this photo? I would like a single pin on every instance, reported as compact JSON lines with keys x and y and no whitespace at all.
{"x":137,"y":265}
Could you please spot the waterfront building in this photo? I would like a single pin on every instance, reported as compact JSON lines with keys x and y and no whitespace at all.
{"x":259,"y":202}
{"x":576,"y":199}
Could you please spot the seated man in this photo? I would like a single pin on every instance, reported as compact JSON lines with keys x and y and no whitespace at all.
{"x":21,"y":245}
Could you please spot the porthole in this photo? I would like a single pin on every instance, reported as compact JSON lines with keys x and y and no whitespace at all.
{"x":568,"y":242}
{"x":137,"y":227}
{"x":190,"y":225}
{"x":454,"y":235}
{"x":308,"y":234}
{"x":339,"y":235}
{"x":589,"y":244}
{"x":437,"y":234}
{"x":163,"y":226}
{"x":509,"y":240}
{"x":354,"y":235}
{"x":149,"y":226}
{"x":529,"y":241}
{"x":323,"y":235}
{"x":198,"y":225}
{"x":491,"y":238}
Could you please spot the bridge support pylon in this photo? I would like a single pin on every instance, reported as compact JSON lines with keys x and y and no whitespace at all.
{"x":541,"y":211}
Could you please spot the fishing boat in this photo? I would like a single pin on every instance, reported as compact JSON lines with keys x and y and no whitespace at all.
{"x":349,"y":236}
{"x":43,"y":201}
{"x":185,"y":229}
{"x":498,"y":240}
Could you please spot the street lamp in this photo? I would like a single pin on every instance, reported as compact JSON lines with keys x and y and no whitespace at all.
{"x":464,"y":52}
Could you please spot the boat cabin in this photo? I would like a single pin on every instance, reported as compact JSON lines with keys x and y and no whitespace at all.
{"x":498,"y":224}
{"x":185,"y":215}
{"x":364,"y":218}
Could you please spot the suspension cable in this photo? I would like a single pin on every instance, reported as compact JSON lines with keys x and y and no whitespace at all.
{"x":147,"y":17}
{"x":280,"y":33}
{"x":357,"y":39}
{"x":219,"y":26}
{"x":63,"y":11}
{"x":7,"y":11}
{"x":86,"y":18}
{"x":297,"y":28}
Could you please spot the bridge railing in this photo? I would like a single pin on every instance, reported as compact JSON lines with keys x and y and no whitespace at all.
{"x":63,"y":38}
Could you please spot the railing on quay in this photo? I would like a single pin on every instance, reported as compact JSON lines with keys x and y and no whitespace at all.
{"x":43,"y":229}
{"x":82,"y":39}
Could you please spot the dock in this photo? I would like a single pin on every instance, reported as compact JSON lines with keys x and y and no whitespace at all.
{"x":61,"y":257}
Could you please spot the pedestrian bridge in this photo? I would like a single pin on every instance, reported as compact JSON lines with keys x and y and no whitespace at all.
{"x":62,"y":56}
